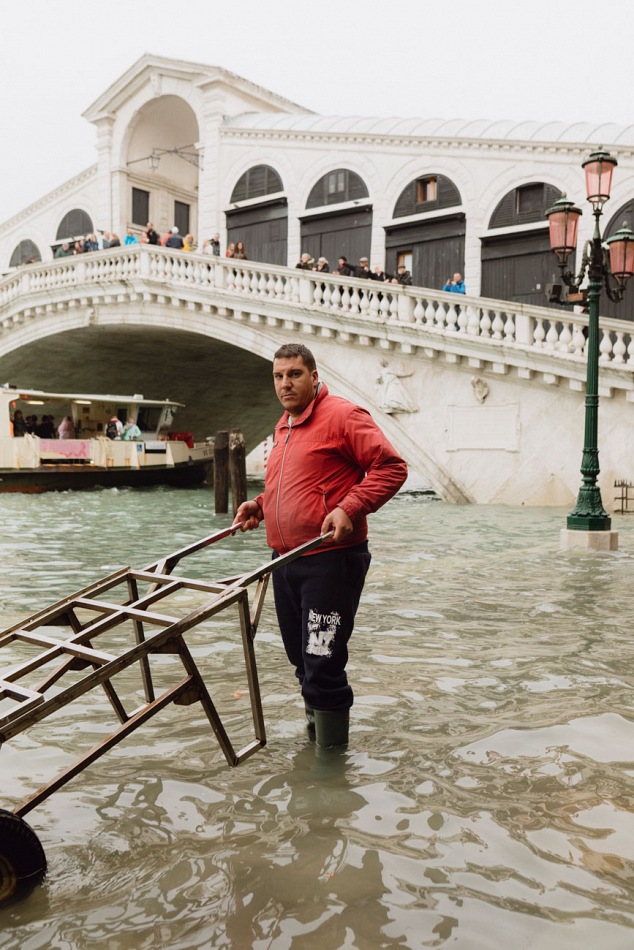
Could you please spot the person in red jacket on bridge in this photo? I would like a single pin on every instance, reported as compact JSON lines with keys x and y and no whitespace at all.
{"x":330,"y":466}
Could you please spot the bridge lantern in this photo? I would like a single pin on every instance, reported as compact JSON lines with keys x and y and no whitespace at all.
{"x":598,"y":168}
{"x":621,"y":247}
{"x":563,"y":223}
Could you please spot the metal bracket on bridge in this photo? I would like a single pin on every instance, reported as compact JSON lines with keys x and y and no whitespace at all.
{"x":131,"y":617}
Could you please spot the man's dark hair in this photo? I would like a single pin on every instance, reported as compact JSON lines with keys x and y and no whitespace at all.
{"x":290,"y":350}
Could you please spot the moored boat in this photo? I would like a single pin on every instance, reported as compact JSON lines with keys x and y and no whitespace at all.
{"x":154,"y":454}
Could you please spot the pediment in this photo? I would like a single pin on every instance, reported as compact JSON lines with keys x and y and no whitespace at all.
{"x":231,"y":93}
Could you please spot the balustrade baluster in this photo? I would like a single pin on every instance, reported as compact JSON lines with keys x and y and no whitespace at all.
{"x":552,"y":337}
{"x":384,"y":307}
{"x":327,"y":296}
{"x":539,"y":334}
{"x":393,"y":316}
{"x":509,"y":328}
{"x":498,"y":325}
{"x":419,"y":311}
{"x":364,"y":302}
{"x":578,"y":339}
{"x":485,"y":324}
{"x":430,"y":313}
{"x":354,"y":300}
{"x":441,"y":317}
{"x":473,"y":321}
{"x":619,"y":350}
{"x":317,"y":297}
{"x":605,"y":347}
{"x":374,"y":306}
{"x":565,"y":338}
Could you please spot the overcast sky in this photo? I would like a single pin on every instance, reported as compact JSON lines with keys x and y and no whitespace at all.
{"x":497,"y":59}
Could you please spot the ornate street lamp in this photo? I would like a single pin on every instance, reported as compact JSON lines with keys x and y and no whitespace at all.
{"x":608,"y":266}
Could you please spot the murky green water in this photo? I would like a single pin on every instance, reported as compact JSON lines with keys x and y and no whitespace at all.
{"x":485,"y":801}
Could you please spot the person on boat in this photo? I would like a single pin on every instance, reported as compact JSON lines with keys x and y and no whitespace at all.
{"x":19,"y":423}
{"x":114,"y":428}
{"x":131,"y":431}
{"x":46,"y":428}
{"x":330,"y":466}
{"x":66,"y":428}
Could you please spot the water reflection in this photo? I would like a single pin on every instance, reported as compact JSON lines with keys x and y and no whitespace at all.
{"x":487,"y":796}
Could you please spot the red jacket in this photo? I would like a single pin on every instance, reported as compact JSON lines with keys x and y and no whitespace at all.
{"x":333,"y":456}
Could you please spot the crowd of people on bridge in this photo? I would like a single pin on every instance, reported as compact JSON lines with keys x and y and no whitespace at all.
{"x":236,"y":250}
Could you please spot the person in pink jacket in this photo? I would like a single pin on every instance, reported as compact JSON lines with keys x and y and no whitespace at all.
{"x":330,"y":466}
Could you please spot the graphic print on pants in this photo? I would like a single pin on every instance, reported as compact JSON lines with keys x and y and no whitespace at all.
{"x":322,"y":629}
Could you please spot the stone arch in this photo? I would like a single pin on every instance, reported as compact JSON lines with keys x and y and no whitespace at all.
{"x":261,"y":224}
{"x":159,"y":152}
{"x":256,"y":182}
{"x":76,"y":223}
{"x":26,"y":252}
{"x":517,"y":264}
{"x":337,"y":186}
{"x":341,"y":231}
{"x":431,"y":248}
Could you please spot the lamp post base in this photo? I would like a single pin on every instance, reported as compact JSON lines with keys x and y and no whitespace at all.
{"x":589,"y":540}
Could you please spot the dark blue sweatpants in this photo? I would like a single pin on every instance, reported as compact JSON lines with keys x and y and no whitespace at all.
{"x":316,"y":599}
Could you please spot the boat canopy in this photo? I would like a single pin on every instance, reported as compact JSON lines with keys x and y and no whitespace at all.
{"x":90,"y":411}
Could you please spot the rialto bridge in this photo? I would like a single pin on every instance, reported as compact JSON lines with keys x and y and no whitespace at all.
{"x":484,"y":398}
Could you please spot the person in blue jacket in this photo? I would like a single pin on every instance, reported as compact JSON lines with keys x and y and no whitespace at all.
{"x":455,"y":285}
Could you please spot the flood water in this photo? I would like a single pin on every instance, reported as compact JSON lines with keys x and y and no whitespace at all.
{"x":485,"y":802}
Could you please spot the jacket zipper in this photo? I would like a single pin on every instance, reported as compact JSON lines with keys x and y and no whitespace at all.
{"x":279,"y":482}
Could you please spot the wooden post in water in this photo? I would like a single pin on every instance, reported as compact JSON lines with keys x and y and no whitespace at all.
{"x":237,"y":468}
{"x":221,"y":473}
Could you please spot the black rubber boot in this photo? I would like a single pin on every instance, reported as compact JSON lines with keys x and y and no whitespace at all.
{"x":310,"y":720}
{"x":331,"y":727}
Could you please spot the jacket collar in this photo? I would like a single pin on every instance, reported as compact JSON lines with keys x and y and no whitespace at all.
{"x":285,"y":421}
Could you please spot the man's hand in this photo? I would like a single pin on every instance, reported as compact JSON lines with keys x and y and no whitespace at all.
{"x":339,"y":523}
{"x":250,"y":514}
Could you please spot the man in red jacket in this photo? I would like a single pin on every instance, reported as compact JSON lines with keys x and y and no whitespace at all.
{"x":329,"y":467}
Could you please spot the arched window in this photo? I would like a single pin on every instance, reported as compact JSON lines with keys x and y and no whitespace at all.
{"x":427,"y":193}
{"x":335,"y":187}
{"x":524,"y":205}
{"x":74,"y":224}
{"x":257,"y":182}
{"x":25,"y":253}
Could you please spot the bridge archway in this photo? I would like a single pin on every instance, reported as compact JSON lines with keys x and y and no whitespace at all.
{"x":26,"y":252}
{"x":517,"y":264}
{"x":261,"y":225}
{"x":339,"y":221}
{"x":223,"y":386}
{"x":436,"y":245}
{"x":160,"y":156}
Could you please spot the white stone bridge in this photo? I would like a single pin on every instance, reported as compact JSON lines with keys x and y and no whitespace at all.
{"x":484,"y":398}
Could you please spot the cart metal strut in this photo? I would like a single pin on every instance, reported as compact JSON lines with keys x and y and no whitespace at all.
{"x":130,"y":609}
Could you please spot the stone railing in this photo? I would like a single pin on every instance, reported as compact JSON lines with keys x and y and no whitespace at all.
{"x":452,"y":317}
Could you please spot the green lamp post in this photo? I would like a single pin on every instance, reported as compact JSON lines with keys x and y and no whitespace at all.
{"x":608,"y":265}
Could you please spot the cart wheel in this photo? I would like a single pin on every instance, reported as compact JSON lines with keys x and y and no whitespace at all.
{"x":22,"y":858}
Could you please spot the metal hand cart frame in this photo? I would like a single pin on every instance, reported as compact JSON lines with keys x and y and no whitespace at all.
{"x":134,"y":599}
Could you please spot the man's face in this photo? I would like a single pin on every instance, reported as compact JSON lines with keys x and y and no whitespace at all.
{"x":295,"y":384}
{"x":457,"y":278}
{"x":341,"y":262}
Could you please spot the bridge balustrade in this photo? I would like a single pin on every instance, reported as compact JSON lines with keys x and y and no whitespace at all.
{"x":501,"y":324}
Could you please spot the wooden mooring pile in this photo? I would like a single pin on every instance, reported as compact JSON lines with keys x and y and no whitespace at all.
{"x":230,"y":470}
